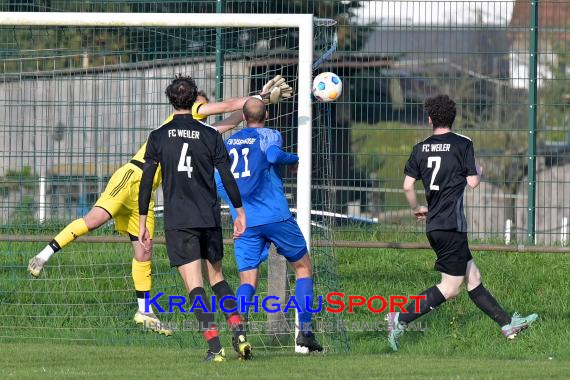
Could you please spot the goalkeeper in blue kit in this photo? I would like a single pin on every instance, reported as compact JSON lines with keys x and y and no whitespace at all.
{"x":256,"y":155}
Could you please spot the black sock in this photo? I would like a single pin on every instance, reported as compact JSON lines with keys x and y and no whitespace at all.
{"x":141,"y":294}
{"x":223,"y":289}
{"x":434,"y":298}
{"x":54,"y":245}
{"x":489,"y":305}
{"x":206,"y":320}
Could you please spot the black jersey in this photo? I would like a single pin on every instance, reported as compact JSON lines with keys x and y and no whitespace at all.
{"x":443,"y":162}
{"x":188,"y":151}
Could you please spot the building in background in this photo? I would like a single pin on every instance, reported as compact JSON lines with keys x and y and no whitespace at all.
{"x":554,"y":39}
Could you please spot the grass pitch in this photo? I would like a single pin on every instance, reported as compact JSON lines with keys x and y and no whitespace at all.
{"x":29,"y":361}
{"x":75,"y":321}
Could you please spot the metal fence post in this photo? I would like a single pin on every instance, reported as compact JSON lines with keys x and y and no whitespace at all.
{"x":219,"y":59}
{"x":532,"y":121}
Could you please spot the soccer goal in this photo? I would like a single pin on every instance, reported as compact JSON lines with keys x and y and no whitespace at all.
{"x":80,"y":92}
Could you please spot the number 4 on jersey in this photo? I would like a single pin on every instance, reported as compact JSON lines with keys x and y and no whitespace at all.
{"x":184,"y":164}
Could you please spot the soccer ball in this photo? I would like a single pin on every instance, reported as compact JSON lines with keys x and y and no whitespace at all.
{"x":327,"y":87}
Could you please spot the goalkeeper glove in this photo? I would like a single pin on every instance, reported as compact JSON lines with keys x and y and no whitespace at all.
{"x":271,"y":84}
{"x":276,"y":90}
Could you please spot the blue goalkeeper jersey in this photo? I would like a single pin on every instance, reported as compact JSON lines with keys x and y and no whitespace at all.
{"x":256,"y":154}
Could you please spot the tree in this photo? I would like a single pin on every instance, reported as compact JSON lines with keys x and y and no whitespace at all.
{"x":342,"y":11}
{"x":112,"y":46}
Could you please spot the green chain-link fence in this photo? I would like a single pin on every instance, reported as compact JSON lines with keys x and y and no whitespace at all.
{"x":78,"y":102}
{"x":391,"y":55}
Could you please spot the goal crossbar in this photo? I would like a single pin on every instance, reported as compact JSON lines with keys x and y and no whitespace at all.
{"x":303,"y":22}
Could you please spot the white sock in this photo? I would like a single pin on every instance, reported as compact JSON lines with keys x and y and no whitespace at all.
{"x":46,"y":253}
{"x":141,"y":306}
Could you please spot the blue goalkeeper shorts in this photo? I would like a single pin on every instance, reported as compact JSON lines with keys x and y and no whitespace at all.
{"x":252,"y":248}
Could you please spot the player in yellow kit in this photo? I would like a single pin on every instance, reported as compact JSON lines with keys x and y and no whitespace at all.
{"x":119,"y":201}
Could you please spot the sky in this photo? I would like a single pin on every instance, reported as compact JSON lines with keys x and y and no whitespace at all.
{"x":456,"y":12}
{"x":449,"y":13}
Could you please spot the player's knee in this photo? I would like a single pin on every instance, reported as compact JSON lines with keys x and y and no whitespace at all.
{"x":95,"y":218}
{"x":474,"y":279}
{"x":147,"y":253}
{"x":248,"y":277}
{"x":304,"y":261}
{"x":139,"y":252}
{"x":303,"y":272}
{"x":453,"y":292}
{"x":303,"y":267}
{"x":143,"y":255}
{"x":91,"y":222}
{"x":449,"y":291}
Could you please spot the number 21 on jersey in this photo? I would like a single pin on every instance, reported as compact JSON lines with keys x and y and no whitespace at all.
{"x":235,"y":159}
{"x":434,"y":163}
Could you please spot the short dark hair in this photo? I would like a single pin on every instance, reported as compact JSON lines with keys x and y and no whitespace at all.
{"x":202,"y":94}
{"x":254,"y":111}
{"x":441,"y":110}
{"x":182,"y":92}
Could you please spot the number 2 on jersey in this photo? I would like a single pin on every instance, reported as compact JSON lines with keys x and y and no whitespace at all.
{"x":184,"y":164}
{"x":235,"y":158}
{"x":430,"y":164}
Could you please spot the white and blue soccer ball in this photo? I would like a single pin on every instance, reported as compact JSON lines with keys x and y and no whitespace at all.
{"x":327,"y":87}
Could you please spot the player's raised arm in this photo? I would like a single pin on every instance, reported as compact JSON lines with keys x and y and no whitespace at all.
{"x":273,"y":91}
{"x":228,"y":105}
{"x":229,"y":122}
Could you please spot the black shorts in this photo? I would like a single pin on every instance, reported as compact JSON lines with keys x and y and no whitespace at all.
{"x":452,"y":250}
{"x":188,"y":245}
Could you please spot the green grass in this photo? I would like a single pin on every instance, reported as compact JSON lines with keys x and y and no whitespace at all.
{"x":27,"y":361}
{"x":381,"y":151}
{"x":78,"y":317}
{"x":521,"y":282}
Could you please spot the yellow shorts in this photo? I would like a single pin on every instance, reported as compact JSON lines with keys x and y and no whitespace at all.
{"x":121,"y":200}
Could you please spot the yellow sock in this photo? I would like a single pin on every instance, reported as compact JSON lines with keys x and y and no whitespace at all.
{"x":71,"y":232}
{"x":141,"y":271}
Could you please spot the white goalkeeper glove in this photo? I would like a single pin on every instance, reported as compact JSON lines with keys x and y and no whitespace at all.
{"x":276,"y":81}
{"x":275,"y":90}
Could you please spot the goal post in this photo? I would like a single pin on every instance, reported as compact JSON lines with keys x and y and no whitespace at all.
{"x":302,"y":22}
